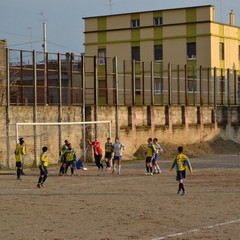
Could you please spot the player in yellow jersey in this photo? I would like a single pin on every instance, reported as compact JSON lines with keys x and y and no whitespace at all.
{"x":20,"y":151}
{"x":181,"y":163}
{"x":70,"y":159}
{"x":43,"y":167}
{"x":150,"y":155}
{"x":64,"y":148}
{"x":108,"y":153}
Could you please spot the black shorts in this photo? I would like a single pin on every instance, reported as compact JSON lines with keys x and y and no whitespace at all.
{"x":63,"y":160}
{"x":68,"y":163}
{"x":43,"y":170}
{"x":148,"y":159}
{"x":180,"y":175}
{"x":19,"y":164}
{"x":108,"y":155}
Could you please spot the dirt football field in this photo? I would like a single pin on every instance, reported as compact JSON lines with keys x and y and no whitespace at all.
{"x":129,"y":206}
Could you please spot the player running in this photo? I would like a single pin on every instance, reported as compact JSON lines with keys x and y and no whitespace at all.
{"x":181,"y":162}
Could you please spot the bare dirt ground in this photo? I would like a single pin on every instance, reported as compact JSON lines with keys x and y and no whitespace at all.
{"x":129,"y":206}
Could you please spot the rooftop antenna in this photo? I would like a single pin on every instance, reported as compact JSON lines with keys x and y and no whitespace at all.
{"x":220,"y":6}
{"x":110,"y":6}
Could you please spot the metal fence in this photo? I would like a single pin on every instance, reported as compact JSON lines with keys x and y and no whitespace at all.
{"x":67,"y":79}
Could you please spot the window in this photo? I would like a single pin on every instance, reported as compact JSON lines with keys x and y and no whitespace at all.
{"x":191,"y":50}
{"x":221,"y":51}
{"x":158,"y":53}
{"x":158,"y":86}
{"x":136,"y":53}
{"x":157,"y":21}
{"x":102,"y":56}
{"x":135,"y":23}
{"x":192,"y":84}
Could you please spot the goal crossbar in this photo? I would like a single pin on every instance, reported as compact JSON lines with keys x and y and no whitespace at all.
{"x":58,"y":124}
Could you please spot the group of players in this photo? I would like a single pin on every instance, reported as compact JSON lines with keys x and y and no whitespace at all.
{"x":20,"y":153}
{"x":113,"y":157}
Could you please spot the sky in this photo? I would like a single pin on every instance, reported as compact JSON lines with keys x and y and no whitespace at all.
{"x":21,"y":21}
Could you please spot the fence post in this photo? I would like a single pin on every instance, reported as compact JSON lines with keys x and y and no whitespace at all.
{"x":60,"y":101}
{"x":193,"y":81}
{"x":21,"y":63}
{"x":96,"y":94}
{"x":8,"y":109}
{"x":208,"y":85}
{"x":124,"y":82}
{"x":117,"y":99}
{"x":143,"y":85}
{"x":235,"y":87}
{"x":228,"y":87}
{"x":133,"y":83}
{"x":201,"y":93}
{"x":169,"y":84}
{"x":186,"y":85}
{"x":152,"y":84}
{"x":83,"y":102}
{"x":35,"y":107}
{"x":215,"y":89}
{"x":178,"y":84}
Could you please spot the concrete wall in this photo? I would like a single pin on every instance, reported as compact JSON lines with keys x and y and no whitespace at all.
{"x":169,"y":124}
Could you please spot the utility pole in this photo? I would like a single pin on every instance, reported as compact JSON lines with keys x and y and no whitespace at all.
{"x":44,"y":45}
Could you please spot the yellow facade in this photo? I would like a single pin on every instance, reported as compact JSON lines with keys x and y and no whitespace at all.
{"x":180,"y":26}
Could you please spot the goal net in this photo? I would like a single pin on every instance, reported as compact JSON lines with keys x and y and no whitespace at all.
{"x":53,"y":135}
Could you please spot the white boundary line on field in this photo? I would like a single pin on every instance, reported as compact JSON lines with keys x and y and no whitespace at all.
{"x":197,"y":230}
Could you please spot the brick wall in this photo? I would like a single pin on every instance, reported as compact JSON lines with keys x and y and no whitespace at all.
{"x":169,"y":124}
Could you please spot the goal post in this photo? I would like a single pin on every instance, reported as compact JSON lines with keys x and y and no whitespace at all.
{"x":46,"y":133}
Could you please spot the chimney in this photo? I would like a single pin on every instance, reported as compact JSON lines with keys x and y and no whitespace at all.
{"x":231,"y":17}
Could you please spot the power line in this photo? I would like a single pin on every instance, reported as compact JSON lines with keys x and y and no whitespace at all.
{"x":19,"y":44}
{"x":59,"y":45}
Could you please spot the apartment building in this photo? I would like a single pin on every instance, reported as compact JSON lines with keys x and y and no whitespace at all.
{"x":180,"y":36}
{"x":183,"y":37}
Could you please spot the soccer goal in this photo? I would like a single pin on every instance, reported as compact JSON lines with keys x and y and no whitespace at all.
{"x":53,"y":134}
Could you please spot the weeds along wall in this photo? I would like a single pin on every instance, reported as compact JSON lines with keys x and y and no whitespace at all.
{"x":133,"y":125}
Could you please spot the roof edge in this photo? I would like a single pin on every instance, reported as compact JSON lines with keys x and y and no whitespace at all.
{"x":167,"y":9}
